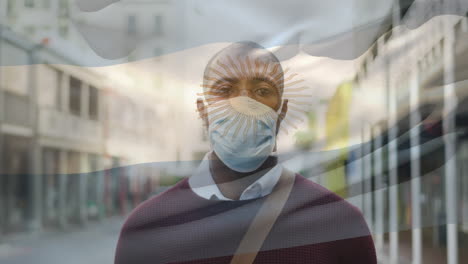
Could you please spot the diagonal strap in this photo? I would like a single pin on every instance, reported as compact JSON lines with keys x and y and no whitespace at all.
{"x":264,"y":220}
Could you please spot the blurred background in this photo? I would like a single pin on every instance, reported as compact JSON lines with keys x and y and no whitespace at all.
{"x":89,"y":129}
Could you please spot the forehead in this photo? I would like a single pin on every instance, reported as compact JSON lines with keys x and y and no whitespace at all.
{"x":231,"y":69}
{"x":252,"y":80}
{"x":241,"y":59}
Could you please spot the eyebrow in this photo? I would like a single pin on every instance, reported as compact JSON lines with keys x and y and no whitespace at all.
{"x":266,"y":79}
{"x":223,"y":80}
{"x":257,"y":78}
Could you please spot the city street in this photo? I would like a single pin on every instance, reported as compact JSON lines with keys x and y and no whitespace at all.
{"x":96,"y":244}
{"x":105,"y":104}
{"x":93,"y":244}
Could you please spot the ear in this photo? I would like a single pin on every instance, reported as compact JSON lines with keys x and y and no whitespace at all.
{"x":282,"y":115}
{"x":201,"y":108}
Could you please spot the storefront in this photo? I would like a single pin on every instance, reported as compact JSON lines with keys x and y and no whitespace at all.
{"x":14,"y":193}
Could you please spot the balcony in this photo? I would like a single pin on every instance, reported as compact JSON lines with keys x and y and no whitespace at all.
{"x":53,"y":123}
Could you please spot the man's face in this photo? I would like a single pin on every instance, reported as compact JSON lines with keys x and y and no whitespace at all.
{"x":243,"y":89}
{"x":243,"y":72}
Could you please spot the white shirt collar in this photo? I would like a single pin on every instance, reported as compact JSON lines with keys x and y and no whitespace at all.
{"x":202,"y":183}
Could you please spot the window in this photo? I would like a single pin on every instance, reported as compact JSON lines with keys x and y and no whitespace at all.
{"x":63,"y":8}
{"x":29,"y":3}
{"x":132,"y":25}
{"x":10,"y":7}
{"x":46,"y":4}
{"x":63,"y":29}
{"x":75,"y":96}
{"x":58,"y":96}
{"x":93,"y":103}
{"x":158,"y":25}
{"x":15,"y":109}
{"x":50,"y":82}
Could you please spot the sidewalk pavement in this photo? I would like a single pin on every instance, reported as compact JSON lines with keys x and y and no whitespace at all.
{"x":430,"y":254}
{"x":94,"y":243}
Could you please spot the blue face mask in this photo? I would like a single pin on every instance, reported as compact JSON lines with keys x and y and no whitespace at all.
{"x":244,"y":134}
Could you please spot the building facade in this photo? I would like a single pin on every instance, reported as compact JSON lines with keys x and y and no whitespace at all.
{"x":77,"y":143}
{"x":410,"y":167}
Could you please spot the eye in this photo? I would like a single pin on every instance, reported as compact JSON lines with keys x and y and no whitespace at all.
{"x":262,"y":91}
{"x":224,"y":90}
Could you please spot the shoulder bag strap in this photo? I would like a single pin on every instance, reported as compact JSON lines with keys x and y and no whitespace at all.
{"x":264,"y":220}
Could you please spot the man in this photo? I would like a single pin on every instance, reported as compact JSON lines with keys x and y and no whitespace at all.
{"x":241,"y":205}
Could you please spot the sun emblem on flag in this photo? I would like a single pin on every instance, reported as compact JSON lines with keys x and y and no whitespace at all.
{"x":243,"y":113}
